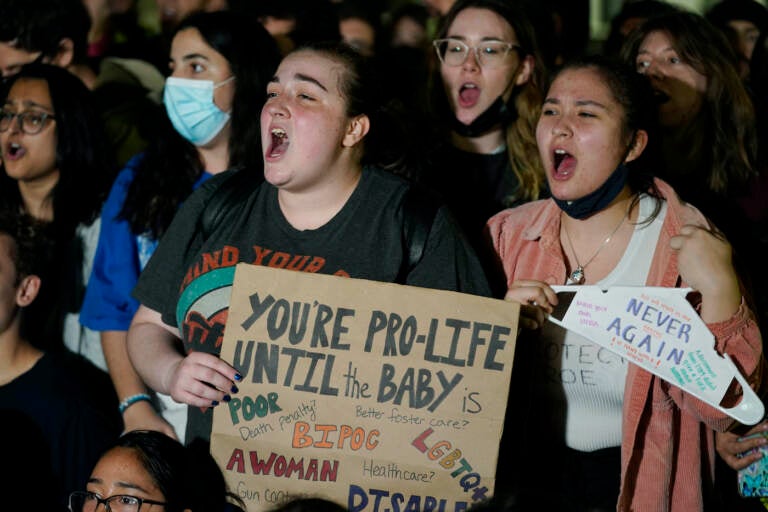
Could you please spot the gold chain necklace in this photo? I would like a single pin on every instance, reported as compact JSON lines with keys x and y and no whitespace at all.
{"x":577,"y":276}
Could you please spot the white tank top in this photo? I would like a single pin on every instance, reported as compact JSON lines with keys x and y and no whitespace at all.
{"x":584,"y":382}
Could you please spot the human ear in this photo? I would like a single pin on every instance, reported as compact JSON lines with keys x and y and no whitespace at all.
{"x":639,"y":141}
{"x":357,"y":129}
{"x":65,"y":53}
{"x":524,"y":70}
{"x":27,"y":290}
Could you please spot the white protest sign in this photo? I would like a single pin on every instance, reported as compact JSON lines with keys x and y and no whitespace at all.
{"x":657,"y":329}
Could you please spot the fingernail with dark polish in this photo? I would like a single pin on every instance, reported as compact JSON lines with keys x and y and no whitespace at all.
{"x":227,"y":398}
{"x":238,"y":377}
{"x":234,"y":389}
{"x":215,"y":403}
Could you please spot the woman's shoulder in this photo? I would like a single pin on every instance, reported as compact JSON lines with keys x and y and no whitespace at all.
{"x":379,"y":175}
{"x":216,"y":184}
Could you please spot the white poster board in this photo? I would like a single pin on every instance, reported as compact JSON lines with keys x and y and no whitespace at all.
{"x":657,"y":329}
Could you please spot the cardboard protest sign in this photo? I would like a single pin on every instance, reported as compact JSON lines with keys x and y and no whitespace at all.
{"x":657,"y":329}
{"x":377,"y":396}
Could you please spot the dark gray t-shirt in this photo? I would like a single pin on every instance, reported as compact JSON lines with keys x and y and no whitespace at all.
{"x":188,"y":279}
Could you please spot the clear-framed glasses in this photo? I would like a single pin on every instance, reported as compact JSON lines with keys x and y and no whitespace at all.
{"x":30,"y":121}
{"x":489,"y":54}
{"x":84,"y":501}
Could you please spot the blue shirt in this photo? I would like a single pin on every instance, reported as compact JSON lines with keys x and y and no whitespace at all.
{"x":120,"y":256}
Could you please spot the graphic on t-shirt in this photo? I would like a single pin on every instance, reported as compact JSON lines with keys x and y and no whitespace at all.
{"x":205,"y":291}
{"x":202,"y":309}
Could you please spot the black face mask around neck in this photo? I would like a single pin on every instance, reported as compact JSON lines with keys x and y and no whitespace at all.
{"x":499,"y":112}
{"x":595,"y":201}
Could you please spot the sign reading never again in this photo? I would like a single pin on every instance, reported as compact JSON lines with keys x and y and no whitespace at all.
{"x":374,"y":395}
{"x":657,"y":329}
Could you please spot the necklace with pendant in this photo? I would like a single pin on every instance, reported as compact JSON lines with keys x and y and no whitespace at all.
{"x":577,"y":276}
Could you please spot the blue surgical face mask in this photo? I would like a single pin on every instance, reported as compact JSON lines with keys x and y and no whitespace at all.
{"x":190,"y":107}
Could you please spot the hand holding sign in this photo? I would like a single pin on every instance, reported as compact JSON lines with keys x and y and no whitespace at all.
{"x":376,"y":395}
{"x":658,"y":330}
{"x":536,"y":300}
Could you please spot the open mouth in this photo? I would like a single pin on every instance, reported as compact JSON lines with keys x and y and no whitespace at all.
{"x":14,"y":151}
{"x":564,"y":163}
{"x":660,"y":96}
{"x":468,"y":95}
{"x":279,"y":144}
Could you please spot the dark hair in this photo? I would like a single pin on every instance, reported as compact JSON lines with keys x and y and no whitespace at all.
{"x":155,"y":194}
{"x":31,"y":249}
{"x":83,"y":159}
{"x":314,"y":20}
{"x":165,"y":459}
{"x":759,"y":85}
{"x":521,"y":133}
{"x":356,"y":9}
{"x":33,"y":253}
{"x":642,"y":9}
{"x":722,"y":136}
{"x":187,"y":476}
{"x":633,"y":92}
{"x":387,"y":143}
{"x":252,"y":56}
{"x":40,"y":25}
{"x":729,"y":10}
{"x":417,"y":12}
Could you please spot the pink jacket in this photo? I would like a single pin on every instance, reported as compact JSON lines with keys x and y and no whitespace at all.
{"x":668,"y":436}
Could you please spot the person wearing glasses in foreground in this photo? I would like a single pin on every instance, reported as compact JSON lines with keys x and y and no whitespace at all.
{"x":488,"y":93}
{"x":601,"y":433}
{"x":146,"y":470}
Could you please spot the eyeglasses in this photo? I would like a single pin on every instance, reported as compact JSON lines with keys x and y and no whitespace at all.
{"x":83,"y":501}
{"x":31,"y":122}
{"x":490,"y":54}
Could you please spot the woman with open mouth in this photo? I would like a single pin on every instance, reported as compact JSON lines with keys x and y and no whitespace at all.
{"x":57,"y":169}
{"x":487,"y":99}
{"x":610,"y":435}
{"x":327,"y":205}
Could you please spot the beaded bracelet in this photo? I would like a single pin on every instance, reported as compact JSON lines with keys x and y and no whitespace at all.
{"x":129,"y":401}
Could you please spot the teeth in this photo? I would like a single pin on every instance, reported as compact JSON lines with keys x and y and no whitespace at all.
{"x":15,"y":145}
{"x":279,"y":132}
{"x":560,"y":151}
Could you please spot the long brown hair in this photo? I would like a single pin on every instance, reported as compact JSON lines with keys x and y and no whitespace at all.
{"x":723,"y":135}
{"x":520,"y":135}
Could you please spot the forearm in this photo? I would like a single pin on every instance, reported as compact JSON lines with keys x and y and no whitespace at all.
{"x":151,"y":346}
{"x":722,"y":300}
{"x":126,"y":380}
